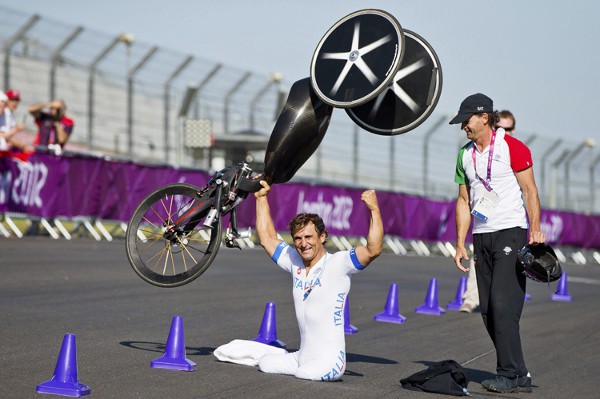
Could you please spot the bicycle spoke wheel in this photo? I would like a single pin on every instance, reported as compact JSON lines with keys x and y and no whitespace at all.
{"x":167,"y":243}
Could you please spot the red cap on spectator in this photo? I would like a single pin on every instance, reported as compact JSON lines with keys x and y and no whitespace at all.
{"x":13,"y":95}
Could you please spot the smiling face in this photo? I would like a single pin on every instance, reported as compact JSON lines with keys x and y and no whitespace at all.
{"x":309,"y":244}
{"x":475,"y":126}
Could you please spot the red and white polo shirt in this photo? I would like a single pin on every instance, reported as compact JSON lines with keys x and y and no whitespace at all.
{"x":509,"y":157}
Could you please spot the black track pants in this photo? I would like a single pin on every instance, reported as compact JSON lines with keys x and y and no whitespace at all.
{"x":501,"y":286}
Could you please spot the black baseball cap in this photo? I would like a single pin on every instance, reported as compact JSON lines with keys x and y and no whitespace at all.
{"x":474,"y":104}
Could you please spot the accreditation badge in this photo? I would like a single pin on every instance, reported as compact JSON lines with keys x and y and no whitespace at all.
{"x":485,"y":207}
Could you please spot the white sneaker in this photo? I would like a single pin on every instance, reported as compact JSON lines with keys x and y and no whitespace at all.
{"x":466,"y":308}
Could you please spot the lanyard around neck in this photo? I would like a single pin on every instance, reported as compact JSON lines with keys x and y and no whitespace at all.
{"x":486,"y":182}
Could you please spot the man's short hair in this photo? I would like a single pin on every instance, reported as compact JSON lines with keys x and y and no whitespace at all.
{"x":303,"y":219}
{"x":508,"y":115}
{"x":492,"y":118}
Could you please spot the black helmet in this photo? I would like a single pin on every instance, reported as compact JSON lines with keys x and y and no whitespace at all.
{"x":540,"y":263}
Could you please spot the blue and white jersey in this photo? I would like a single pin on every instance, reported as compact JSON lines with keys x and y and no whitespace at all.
{"x":320,"y":314}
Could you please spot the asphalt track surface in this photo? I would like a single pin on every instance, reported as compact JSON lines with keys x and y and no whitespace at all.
{"x":50,"y":288}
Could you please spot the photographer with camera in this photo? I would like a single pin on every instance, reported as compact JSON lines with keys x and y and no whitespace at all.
{"x":54,"y":127}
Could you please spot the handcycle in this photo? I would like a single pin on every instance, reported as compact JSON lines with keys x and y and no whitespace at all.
{"x":175,"y":233}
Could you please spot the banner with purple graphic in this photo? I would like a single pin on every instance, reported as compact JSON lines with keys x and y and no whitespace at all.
{"x":71,"y":186}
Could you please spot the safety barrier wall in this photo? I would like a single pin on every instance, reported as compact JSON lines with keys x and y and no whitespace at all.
{"x":74,"y":185}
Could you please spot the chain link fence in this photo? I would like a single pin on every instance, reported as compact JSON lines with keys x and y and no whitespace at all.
{"x":134,"y":100}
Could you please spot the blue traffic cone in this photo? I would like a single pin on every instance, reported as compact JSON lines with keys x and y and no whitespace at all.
{"x":174,"y":356}
{"x":562,"y":293}
{"x":431,"y":301}
{"x":460,"y":292}
{"x":348,"y":328}
{"x":268,"y":328}
{"x":390,"y":314}
{"x":65,"y":381}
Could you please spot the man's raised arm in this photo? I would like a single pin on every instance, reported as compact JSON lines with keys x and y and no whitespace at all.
{"x":265,"y":229}
{"x":367,"y":253}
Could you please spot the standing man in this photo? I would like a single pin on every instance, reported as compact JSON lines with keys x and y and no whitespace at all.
{"x":494,"y":172}
{"x":320,"y":284}
{"x":7,"y":124}
{"x":17,"y":148}
{"x":54,"y":126}
{"x":506,"y":121}
{"x":14,"y":98}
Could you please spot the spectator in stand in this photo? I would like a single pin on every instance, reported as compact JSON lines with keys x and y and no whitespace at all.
{"x":14,"y":98}
{"x":17,"y":148}
{"x":54,"y":127}
{"x":7,"y":125}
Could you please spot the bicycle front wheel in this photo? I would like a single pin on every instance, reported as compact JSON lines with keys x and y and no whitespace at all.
{"x":167,"y":244}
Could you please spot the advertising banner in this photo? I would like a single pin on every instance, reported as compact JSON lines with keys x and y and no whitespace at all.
{"x":71,"y":186}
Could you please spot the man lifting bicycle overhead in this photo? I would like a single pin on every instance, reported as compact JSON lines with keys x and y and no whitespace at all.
{"x":320,"y":284}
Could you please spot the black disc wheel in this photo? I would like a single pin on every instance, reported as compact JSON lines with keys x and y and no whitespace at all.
{"x":167,"y":243}
{"x":410,"y":98}
{"x":357,"y":58}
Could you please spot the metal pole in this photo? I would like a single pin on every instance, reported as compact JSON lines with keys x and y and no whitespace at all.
{"x":426,"y":152}
{"x":392,"y":161}
{"x":355,"y":155}
{"x":593,"y":164}
{"x":92,"y":72}
{"x":167,"y":100}
{"x":55,"y":58}
{"x":204,"y":82}
{"x":553,"y":147}
{"x":274,"y":79}
{"x":183,"y":111}
{"x":279,"y":103}
{"x":130,"y":79}
{"x":11,"y":42}
{"x":187,"y":100}
{"x":572,"y":155}
{"x":555,"y":165}
{"x":319,"y":172}
{"x":228,"y":96}
{"x":188,"y":97}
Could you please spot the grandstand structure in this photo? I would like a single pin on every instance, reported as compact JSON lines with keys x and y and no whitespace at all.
{"x":138,"y":101}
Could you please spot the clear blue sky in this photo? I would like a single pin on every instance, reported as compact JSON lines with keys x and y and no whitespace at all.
{"x":539,"y":58}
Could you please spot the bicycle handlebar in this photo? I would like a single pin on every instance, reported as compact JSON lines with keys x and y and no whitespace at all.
{"x":251,"y":184}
